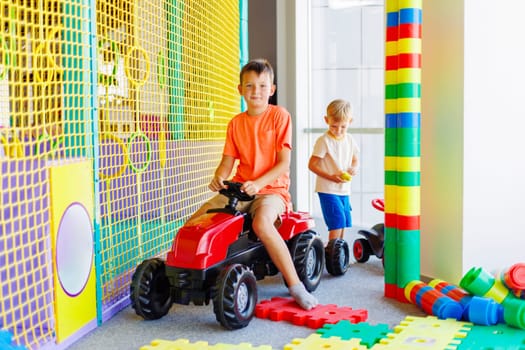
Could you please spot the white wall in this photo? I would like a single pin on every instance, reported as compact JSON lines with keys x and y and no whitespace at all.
{"x":494,"y":189}
{"x":472,"y":166}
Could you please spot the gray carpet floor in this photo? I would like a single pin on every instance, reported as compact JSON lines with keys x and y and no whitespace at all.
{"x":362,"y":287}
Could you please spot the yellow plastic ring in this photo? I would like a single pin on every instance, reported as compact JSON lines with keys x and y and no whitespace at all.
{"x":44,"y":49}
{"x":148,"y":154}
{"x":5,"y":59}
{"x":122,"y":146}
{"x":50,"y":39}
{"x":136,"y":82}
{"x":115,"y":50}
{"x":13,"y":150}
{"x":54,"y":146}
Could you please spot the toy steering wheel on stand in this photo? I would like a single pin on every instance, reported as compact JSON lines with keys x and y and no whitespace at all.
{"x":379,"y":204}
{"x":234,"y":194}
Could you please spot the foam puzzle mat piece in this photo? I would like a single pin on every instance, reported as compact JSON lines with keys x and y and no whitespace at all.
{"x":344,"y":329}
{"x":434,"y":325}
{"x":497,"y":337}
{"x":179,"y":344}
{"x":184,"y":344}
{"x":429,"y":333}
{"x":6,"y":341}
{"x":316,"y":342}
{"x":279,"y":309}
{"x":240,"y":346}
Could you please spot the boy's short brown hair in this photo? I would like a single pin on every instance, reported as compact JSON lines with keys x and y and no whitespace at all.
{"x":258,"y":65}
{"x":339,"y":110}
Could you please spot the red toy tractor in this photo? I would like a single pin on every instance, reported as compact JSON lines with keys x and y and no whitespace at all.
{"x":218,"y":257}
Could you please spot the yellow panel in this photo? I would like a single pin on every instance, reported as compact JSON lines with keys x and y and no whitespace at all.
{"x":409,"y":45}
{"x":409,"y":105}
{"x":403,"y":105}
{"x":402,"y":4}
{"x":402,"y":164}
{"x":402,"y":200}
{"x":409,"y":75}
{"x":391,"y":48}
{"x":391,"y":77}
{"x":72,"y":184}
{"x":391,"y":6}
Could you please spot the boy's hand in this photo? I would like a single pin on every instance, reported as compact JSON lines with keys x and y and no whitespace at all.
{"x":353,"y":171}
{"x":250,"y":188}
{"x":216,"y":184}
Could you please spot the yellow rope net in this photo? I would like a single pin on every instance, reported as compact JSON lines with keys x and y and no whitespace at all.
{"x":142,"y":90}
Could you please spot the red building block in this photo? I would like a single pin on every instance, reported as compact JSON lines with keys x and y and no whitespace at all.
{"x":279,"y":309}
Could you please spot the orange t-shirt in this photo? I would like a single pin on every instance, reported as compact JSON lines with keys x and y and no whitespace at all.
{"x":255,"y":142}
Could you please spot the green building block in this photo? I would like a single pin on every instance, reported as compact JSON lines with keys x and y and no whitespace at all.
{"x":497,"y":337}
{"x":344,"y":329}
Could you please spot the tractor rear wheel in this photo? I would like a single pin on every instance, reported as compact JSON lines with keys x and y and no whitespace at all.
{"x":235,"y":296}
{"x":307,"y":253}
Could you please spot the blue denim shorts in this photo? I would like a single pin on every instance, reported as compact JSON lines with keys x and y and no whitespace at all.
{"x":337,"y":211}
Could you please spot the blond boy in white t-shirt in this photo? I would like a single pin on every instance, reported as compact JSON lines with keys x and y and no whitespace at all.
{"x":334,"y":160}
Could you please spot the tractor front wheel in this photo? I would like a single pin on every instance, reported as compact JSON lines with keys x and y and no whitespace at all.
{"x":337,"y":256}
{"x":150,"y":290}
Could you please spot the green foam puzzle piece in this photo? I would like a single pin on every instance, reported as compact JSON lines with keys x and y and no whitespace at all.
{"x":344,"y":329}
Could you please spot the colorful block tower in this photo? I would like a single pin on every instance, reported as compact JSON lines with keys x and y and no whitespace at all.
{"x":402,"y":144}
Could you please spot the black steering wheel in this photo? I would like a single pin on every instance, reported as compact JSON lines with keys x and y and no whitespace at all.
{"x":234,"y":191}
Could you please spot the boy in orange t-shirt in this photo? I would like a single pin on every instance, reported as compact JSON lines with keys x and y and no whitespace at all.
{"x":261,"y":139}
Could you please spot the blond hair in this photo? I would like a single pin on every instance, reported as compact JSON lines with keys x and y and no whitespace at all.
{"x":339,"y":110}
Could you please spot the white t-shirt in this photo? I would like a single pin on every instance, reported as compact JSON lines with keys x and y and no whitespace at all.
{"x":335,"y":154}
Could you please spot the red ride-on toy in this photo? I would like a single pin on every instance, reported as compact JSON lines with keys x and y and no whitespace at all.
{"x":218,"y":257}
{"x":373,"y":243}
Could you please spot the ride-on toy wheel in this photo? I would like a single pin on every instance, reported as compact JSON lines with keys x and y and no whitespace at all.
{"x":337,"y":256}
{"x":150,"y":290}
{"x":235,"y":296}
{"x":307,"y":253}
{"x":362,"y":250}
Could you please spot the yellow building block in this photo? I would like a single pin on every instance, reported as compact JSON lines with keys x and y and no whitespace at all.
{"x":184,"y":344}
{"x":315,"y":342}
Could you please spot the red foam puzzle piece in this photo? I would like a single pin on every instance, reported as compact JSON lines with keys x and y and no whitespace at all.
{"x":278,"y":309}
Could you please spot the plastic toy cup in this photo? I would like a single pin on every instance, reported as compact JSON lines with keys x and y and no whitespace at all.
{"x":432,"y":301}
{"x":447,"y":308}
{"x":481,"y":283}
{"x":477,"y":281}
{"x":514,"y":276}
{"x":411,"y":289}
{"x":514,"y":313}
{"x":484,"y":311}
{"x":452,"y":291}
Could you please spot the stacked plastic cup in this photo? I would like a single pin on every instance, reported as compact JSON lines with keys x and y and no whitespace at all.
{"x":478,"y":310}
{"x":481,"y":283}
{"x":432,"y":301}
{"x":514,"y":279}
